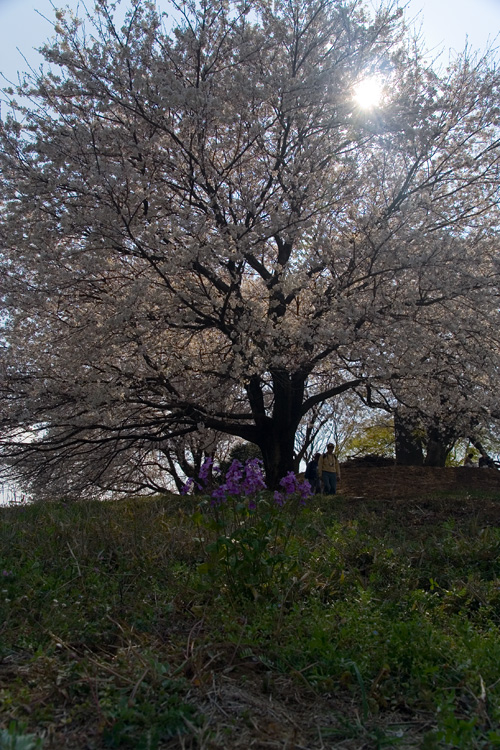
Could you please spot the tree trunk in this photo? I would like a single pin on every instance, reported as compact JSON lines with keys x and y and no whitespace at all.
{"x":437,"y":449}
{"x":277,"y":448}
{"x":408,"y":447}
{"x":275,"y":433}
{"x":436,"y":454}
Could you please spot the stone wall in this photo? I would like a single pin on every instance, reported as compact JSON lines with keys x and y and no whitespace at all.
{"x":412,"y":481}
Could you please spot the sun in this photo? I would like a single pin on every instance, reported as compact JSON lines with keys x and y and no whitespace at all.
{"x":368,"y":92}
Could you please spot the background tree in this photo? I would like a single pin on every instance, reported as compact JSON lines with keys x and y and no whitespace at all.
{"x":326,"y":422}
{"x":448,"y":397}
{"x":373,"y":437}
{"x":201,"y":228}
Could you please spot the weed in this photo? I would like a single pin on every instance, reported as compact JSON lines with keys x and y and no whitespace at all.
{"x":245,"y":532}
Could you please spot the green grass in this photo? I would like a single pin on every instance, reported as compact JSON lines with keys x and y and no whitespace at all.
{"x":384,"y":632}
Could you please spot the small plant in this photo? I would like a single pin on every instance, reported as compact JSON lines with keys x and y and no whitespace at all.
{"x":14,"y":738}
{"x":245,"y":530}
{"x":466,"y":732}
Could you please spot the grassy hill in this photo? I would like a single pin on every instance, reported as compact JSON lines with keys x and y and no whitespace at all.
{"x":347,"y":623}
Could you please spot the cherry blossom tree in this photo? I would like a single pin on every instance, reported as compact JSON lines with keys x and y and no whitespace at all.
{"x":203,"y":229}
{"x":451,"y":393}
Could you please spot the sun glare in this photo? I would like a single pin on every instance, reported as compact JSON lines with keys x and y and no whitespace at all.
{"x":368,"y":92}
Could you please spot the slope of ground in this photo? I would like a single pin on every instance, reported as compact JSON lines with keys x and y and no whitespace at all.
{"x":383,"y":631}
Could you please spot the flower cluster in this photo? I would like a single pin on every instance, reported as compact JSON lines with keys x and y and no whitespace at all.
{"x":240,"y":480}
{"x":187,"y":487}
{"x":246,"y":480}
{"x":204,"y":476}
{"x":206,"y":469}
{"x":291,"y":485}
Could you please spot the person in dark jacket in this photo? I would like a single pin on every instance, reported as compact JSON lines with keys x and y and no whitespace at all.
{"x":485,"y":462}
{"x":312,"y":474}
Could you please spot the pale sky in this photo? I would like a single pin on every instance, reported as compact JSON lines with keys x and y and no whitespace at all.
{"x":445,"y":23}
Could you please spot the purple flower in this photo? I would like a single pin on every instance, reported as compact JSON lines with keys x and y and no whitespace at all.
{"x":305,"y":491}
{"x":254,"y":479}
{"x":234,"y":477}
{"x":292,"y":486}
{"x":186,"y":488}
{"x":279,"y":498}
{"x":219,"y":495}
{"x":205,"y":469}
{"x":289,"y":483}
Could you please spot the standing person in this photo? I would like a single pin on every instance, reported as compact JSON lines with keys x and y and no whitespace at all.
{"x":329,"y":470}
{"x":485,"y":462}
{"x":312,"y":473}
